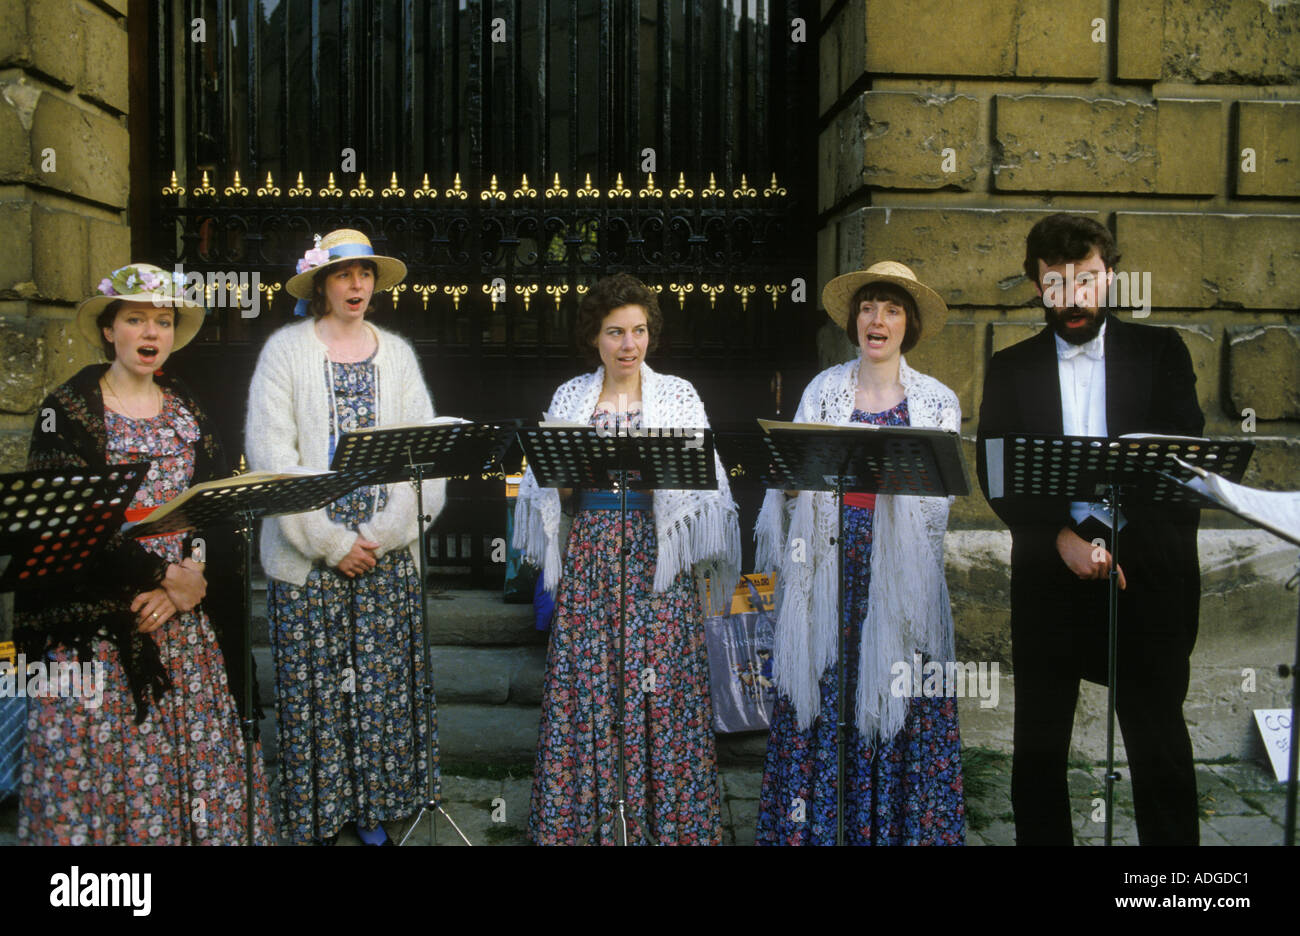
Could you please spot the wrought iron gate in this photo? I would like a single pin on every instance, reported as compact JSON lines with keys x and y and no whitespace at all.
{"x":510,"y":153}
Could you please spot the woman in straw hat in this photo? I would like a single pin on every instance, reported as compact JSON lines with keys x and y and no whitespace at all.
{"x":343,"y":585}
{"x":903,"y":776}
{"x":153,"y":754}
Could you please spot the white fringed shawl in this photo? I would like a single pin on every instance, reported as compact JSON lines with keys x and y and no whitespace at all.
{"x":908,"y":605}
{"x":696,"y":530}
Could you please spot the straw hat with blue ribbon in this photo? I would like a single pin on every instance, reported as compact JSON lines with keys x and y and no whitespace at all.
{"x":341,"y":246}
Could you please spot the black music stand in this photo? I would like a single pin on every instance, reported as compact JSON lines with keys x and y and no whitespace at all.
{"x":242,"y":504}
{"x":417,"y":454}
{"x":53,"y":523}
{"x":912,"y":461}
{"x":1257,"y":515}
{"x":1139,"y":468}
{"x":586,"y":457}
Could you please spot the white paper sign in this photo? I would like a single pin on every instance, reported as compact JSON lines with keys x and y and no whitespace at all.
{"x":1275,"y":728}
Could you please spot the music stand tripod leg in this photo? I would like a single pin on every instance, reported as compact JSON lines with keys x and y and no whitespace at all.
{"x":619,"y":811}
{"x":431,"y":806}
{"x":1294,"y":754}
{"x":248,"y":723}
{"x":840,"y":724}
{"x":1112,"y":666}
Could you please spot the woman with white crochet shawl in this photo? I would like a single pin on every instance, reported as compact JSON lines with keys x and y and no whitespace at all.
{"x":903,"y":780}
{"x":672,"y":536}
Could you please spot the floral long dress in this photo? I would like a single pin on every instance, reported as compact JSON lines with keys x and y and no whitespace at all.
{"x":904,"y":791}
{"x":90,"y":774}
{"x":349,"y":671}
{"x":672,"y":788}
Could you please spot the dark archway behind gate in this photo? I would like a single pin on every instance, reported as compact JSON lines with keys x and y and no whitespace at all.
{"x":496,"y":143}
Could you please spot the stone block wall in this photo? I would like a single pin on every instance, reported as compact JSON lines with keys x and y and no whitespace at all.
{"x":949,"y":129}
{"x":64,"y":180}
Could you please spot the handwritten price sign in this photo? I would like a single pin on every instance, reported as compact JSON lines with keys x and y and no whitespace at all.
{"x":1275,"y":728}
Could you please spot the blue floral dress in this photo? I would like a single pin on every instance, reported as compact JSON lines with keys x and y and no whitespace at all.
{"x":90,"y":774}
{"x":349,"y":671}
{"x":672,"y":787}
{"x":905,"y":791}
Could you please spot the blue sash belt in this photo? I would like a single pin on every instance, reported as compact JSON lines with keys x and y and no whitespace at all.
{"x":608,"y":500}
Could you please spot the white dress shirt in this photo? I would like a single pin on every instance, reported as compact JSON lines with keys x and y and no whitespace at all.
{"x":1082,"y":372}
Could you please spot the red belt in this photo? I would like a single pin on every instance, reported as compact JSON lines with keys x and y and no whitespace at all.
{"x":865,"y":501}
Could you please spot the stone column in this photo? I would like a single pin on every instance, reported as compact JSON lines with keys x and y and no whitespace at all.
{"x":64,"y":180}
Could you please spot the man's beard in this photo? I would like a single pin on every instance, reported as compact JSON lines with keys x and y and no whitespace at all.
{"x":1078,"y":334}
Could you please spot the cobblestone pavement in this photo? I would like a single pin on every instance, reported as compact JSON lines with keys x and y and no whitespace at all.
{"x":1241,"y":804}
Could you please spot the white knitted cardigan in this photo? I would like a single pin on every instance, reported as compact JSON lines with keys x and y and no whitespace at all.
{"x":695,"y":530}
{"x":907,"y":608}
{"x":290,"y":408}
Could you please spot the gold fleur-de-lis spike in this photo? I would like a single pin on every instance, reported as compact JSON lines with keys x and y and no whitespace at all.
{"x":581,"y":289}
{"x":681,"y":188}
{"x":204,"y":186}
{"x":239,"y":188}
{"x":493,"y":191}
{"x":496,"y":294}
{"x":455,"y":292}
{"x":331,"y":190}
{"x":397,"y":291}
{"x":745,"y":190}
{"x":270,"y":289}
{"x":587,"y":191}
{"x":270,"y":189}
{"x":173,"y":187}
{"x":525,"y":190}
{"x":362,"y":190}
{"x":713,"y":292}
{"x":300,"y":190}
{"x":773,"y":188}
{"x":620,"y":190}
{"x":775,"y":290}
{"x":456,"y":191}
{"x":557,"y":292}
{"x":425,"y":291}
{"x":393,"y":188}
{"x":744,"y":293}
{"x":713,"y":190}
{"x":424,"y":191}
{"x":650,"y":190}
{"x":681,"y":289}
{"x":555,"y":191}
{"x":525,"y":292}
{"x":243,"y":465}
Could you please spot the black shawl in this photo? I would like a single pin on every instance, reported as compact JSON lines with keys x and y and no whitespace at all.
{"x":78,"y":438}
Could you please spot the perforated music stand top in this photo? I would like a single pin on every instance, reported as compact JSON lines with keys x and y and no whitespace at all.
{"x":900,"y":460}
{"x":386,"y":456}
{"x":232,"y":505}
{"x":1082,"y":467}
{"x":586,"y":457}
{"x":53,"y":522}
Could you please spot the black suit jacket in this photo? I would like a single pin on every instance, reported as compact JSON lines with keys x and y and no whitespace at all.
{"x":1150,"y":387}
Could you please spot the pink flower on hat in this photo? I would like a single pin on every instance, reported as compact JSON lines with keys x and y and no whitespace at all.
{"x":106,"y":287}
{"x":312,"y":259}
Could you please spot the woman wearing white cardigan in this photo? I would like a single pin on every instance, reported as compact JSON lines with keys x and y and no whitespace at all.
{"x":673,"y":538}
{"x":342,"y":582}
{"x":903,"y":782}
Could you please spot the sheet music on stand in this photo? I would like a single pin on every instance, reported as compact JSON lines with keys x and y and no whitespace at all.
{"x":53,"y":522}
{"x":1278,"y":512}
{"x":235,"y":500}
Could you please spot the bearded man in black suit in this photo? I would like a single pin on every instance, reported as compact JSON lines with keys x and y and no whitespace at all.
{"x":1091,"y":373}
